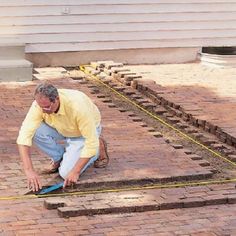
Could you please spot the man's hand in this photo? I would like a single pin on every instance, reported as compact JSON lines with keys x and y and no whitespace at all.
{"x":34,"y":182}
{"x":72,"y":178}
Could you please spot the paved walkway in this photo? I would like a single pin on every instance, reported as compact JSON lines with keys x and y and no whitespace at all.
{"x":207,"y":93}
{"x":135,"y":155}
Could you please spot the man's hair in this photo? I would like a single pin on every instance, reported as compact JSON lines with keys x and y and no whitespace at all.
{"x":46,"y":90}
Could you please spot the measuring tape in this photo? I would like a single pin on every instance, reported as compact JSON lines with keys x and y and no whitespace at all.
{"x":153,"y":186}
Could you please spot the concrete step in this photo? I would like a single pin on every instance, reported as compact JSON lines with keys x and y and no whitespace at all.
{"x":15,"y":70}
{"x":12,"y":51}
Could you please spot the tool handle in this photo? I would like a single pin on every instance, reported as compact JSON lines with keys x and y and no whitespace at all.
{"x":51,"y":188}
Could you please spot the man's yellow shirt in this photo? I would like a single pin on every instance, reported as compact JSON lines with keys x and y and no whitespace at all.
{"x":77,"y":116}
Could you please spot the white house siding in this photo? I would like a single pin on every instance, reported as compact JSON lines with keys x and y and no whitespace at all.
{"x":87,"y":25}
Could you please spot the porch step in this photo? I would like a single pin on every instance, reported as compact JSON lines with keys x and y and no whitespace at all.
{"x":13,"y":66}
{"x":15,"y":70}
{"x":12,"y":51}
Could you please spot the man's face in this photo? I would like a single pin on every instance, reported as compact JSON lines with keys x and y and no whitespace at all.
{"x":46,"y":105}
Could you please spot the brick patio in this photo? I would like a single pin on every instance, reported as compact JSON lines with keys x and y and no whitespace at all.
{"x":136,"y":155}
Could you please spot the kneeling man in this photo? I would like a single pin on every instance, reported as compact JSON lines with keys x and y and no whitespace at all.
{"x":66,"y":125}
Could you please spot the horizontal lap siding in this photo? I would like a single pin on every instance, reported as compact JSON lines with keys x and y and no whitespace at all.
{"x":100,"y":2}
{"x":77,"y":25}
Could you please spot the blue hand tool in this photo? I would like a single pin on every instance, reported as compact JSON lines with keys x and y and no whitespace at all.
{"x":51,"y":188}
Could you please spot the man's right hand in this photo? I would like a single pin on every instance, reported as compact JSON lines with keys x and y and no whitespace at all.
{"x":34,"y":182}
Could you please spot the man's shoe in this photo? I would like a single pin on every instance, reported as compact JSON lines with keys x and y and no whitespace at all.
{"x":103,"y":158}
{"x":53,"y":167}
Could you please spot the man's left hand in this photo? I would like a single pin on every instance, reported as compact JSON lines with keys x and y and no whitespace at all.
{"x":72,"y":178}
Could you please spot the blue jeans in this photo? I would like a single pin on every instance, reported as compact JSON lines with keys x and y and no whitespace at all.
{"x":48,"y":140}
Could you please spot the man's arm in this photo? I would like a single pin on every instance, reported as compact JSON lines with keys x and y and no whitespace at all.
{"x":24,"y":141}
{"x":34,"y":182}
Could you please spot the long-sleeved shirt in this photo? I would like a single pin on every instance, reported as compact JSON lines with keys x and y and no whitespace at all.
{"x":77,"y":116}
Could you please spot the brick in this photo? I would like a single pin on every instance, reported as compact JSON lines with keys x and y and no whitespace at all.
{"x":137,"y":96}
{"x":211,"y":169}
{"x":131,"y":77}
{"x":100,"y":63}
{"x":160,"y":111}
{"x":215,"y":200}
{"x":197,"y":135}
{"x":122,"y":74}
{"x":54,"y":203}
{"x":193,"y":202}
{"x":101,"y":96}
{"x":177,"y":146}
{"x":137,"y":119}
{"x":112,"y":105}
{"x":148,"y":105}
{"x":109,"y":65}
{"x":207,"y":141}
{"x":191,"y":131}
{"x":119,"y":88}
{"x":171,"y":205}
{"x":107,"y":100}
{"x":174,"y":120}
{"x":157,"y":134}
{"x":182,"y":125}
{"x":122,"y":110}
{"x":227,"y":151}
{"x":187,"y":151}
{"x":70,"y":211}
{"x":195,"y":157}
{"x":203,"y":163}
{"x":217,"y":145}
{"x":141,"y":101}
{"x":128,"y":92}
{"x":119,"y":69}
{"x":232,"y":158}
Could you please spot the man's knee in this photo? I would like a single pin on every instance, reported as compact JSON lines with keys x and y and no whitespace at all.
{"x":41,"y":132}
{"x":63,"y":171}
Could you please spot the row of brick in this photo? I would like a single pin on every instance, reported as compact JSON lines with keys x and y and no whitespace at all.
{"x":178,"y":115}
{"x":143,"y":200}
